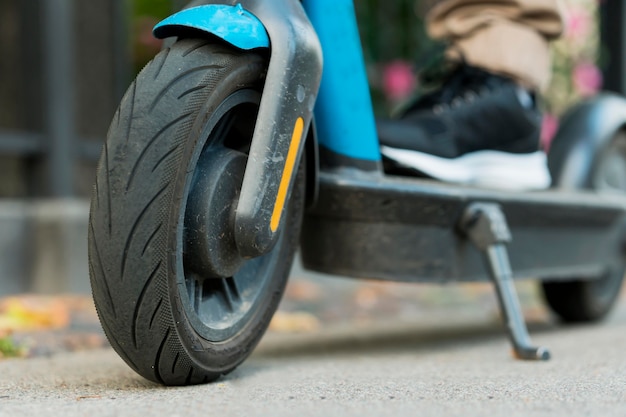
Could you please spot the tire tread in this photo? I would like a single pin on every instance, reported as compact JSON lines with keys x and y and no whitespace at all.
{"x":137,"y":171}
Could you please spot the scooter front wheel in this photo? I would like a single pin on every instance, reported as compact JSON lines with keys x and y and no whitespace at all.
{"x":174,"y":297}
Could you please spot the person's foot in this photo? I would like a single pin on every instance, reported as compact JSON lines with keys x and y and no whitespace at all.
{"x":478,"y":128}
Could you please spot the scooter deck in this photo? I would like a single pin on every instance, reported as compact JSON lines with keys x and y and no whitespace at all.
{"x":406,"y":229}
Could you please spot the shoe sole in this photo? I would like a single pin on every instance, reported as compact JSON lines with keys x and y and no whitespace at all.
{"x":492,"y":169}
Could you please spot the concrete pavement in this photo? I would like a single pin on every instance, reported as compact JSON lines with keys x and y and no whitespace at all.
{"x":437,"y":366}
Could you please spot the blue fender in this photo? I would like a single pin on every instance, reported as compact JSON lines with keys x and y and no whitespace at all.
{"x":233,"y":24}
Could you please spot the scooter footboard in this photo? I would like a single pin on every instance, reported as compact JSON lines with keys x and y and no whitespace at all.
{"x":404,"y":229}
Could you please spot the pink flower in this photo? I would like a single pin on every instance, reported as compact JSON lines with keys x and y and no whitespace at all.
{"x":398,"y":80}
{"x":577,"y":23}
{"x":549,"y":127}
{"x":144,"y":25}
{"x":587,"y":78}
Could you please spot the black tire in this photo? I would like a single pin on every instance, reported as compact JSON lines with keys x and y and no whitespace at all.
{"x":185,"y":122}
{"x":584,"y":301}
{"x":580,"y":301}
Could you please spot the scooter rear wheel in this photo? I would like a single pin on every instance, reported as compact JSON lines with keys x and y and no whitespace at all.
{"x":175,"y":299}
{"x":584,"y":301}
{"x":591,"y":300}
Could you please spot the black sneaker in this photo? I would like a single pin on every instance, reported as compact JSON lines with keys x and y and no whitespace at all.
{"x":478,"y":128}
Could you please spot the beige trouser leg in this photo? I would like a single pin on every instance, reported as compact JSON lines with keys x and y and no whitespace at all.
{"x":509,"y":37}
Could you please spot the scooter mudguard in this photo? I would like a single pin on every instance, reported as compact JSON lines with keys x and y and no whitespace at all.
{"x":232,"y":24}
{"x":586,"y":132}
{"x":286,"y":109}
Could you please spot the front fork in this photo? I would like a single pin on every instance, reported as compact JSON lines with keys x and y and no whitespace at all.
{"x":285,"y":112}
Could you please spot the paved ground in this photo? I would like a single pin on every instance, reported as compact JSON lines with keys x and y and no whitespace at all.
{"x":453,"y":366}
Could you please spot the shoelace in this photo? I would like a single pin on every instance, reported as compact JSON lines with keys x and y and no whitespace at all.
{"x":454,"y":88}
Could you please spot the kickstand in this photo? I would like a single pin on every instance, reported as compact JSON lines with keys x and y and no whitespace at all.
{"x":486,"y":227}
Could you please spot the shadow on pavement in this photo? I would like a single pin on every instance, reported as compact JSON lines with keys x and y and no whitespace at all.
{"x":385,"y":337}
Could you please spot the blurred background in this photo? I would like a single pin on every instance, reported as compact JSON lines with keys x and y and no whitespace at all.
{"x":66,"y":63}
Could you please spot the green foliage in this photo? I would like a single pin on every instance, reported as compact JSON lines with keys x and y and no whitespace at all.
{"x":575,"y":55}
{"x":390,"y":30}
{"x":155,"y":8}
{"x":145,"y":14}
{"x":8,"y":349}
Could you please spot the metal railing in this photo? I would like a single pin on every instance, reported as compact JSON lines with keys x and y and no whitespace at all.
{"x":54,"y":151}
{"x":613,"y":34}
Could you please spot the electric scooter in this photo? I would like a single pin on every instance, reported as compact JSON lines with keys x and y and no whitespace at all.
{"x":253,"y":133}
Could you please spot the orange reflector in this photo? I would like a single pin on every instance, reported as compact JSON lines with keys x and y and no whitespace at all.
{"x":296,"y":139}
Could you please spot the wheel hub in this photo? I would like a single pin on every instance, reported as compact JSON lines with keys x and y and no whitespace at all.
{"x":210,"y":245}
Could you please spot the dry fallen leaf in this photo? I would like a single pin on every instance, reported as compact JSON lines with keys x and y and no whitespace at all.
{"x":297,"y":322}
{"x":32,"y":313}
{"x":88,"y":397}
{"x":303,"y":291}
